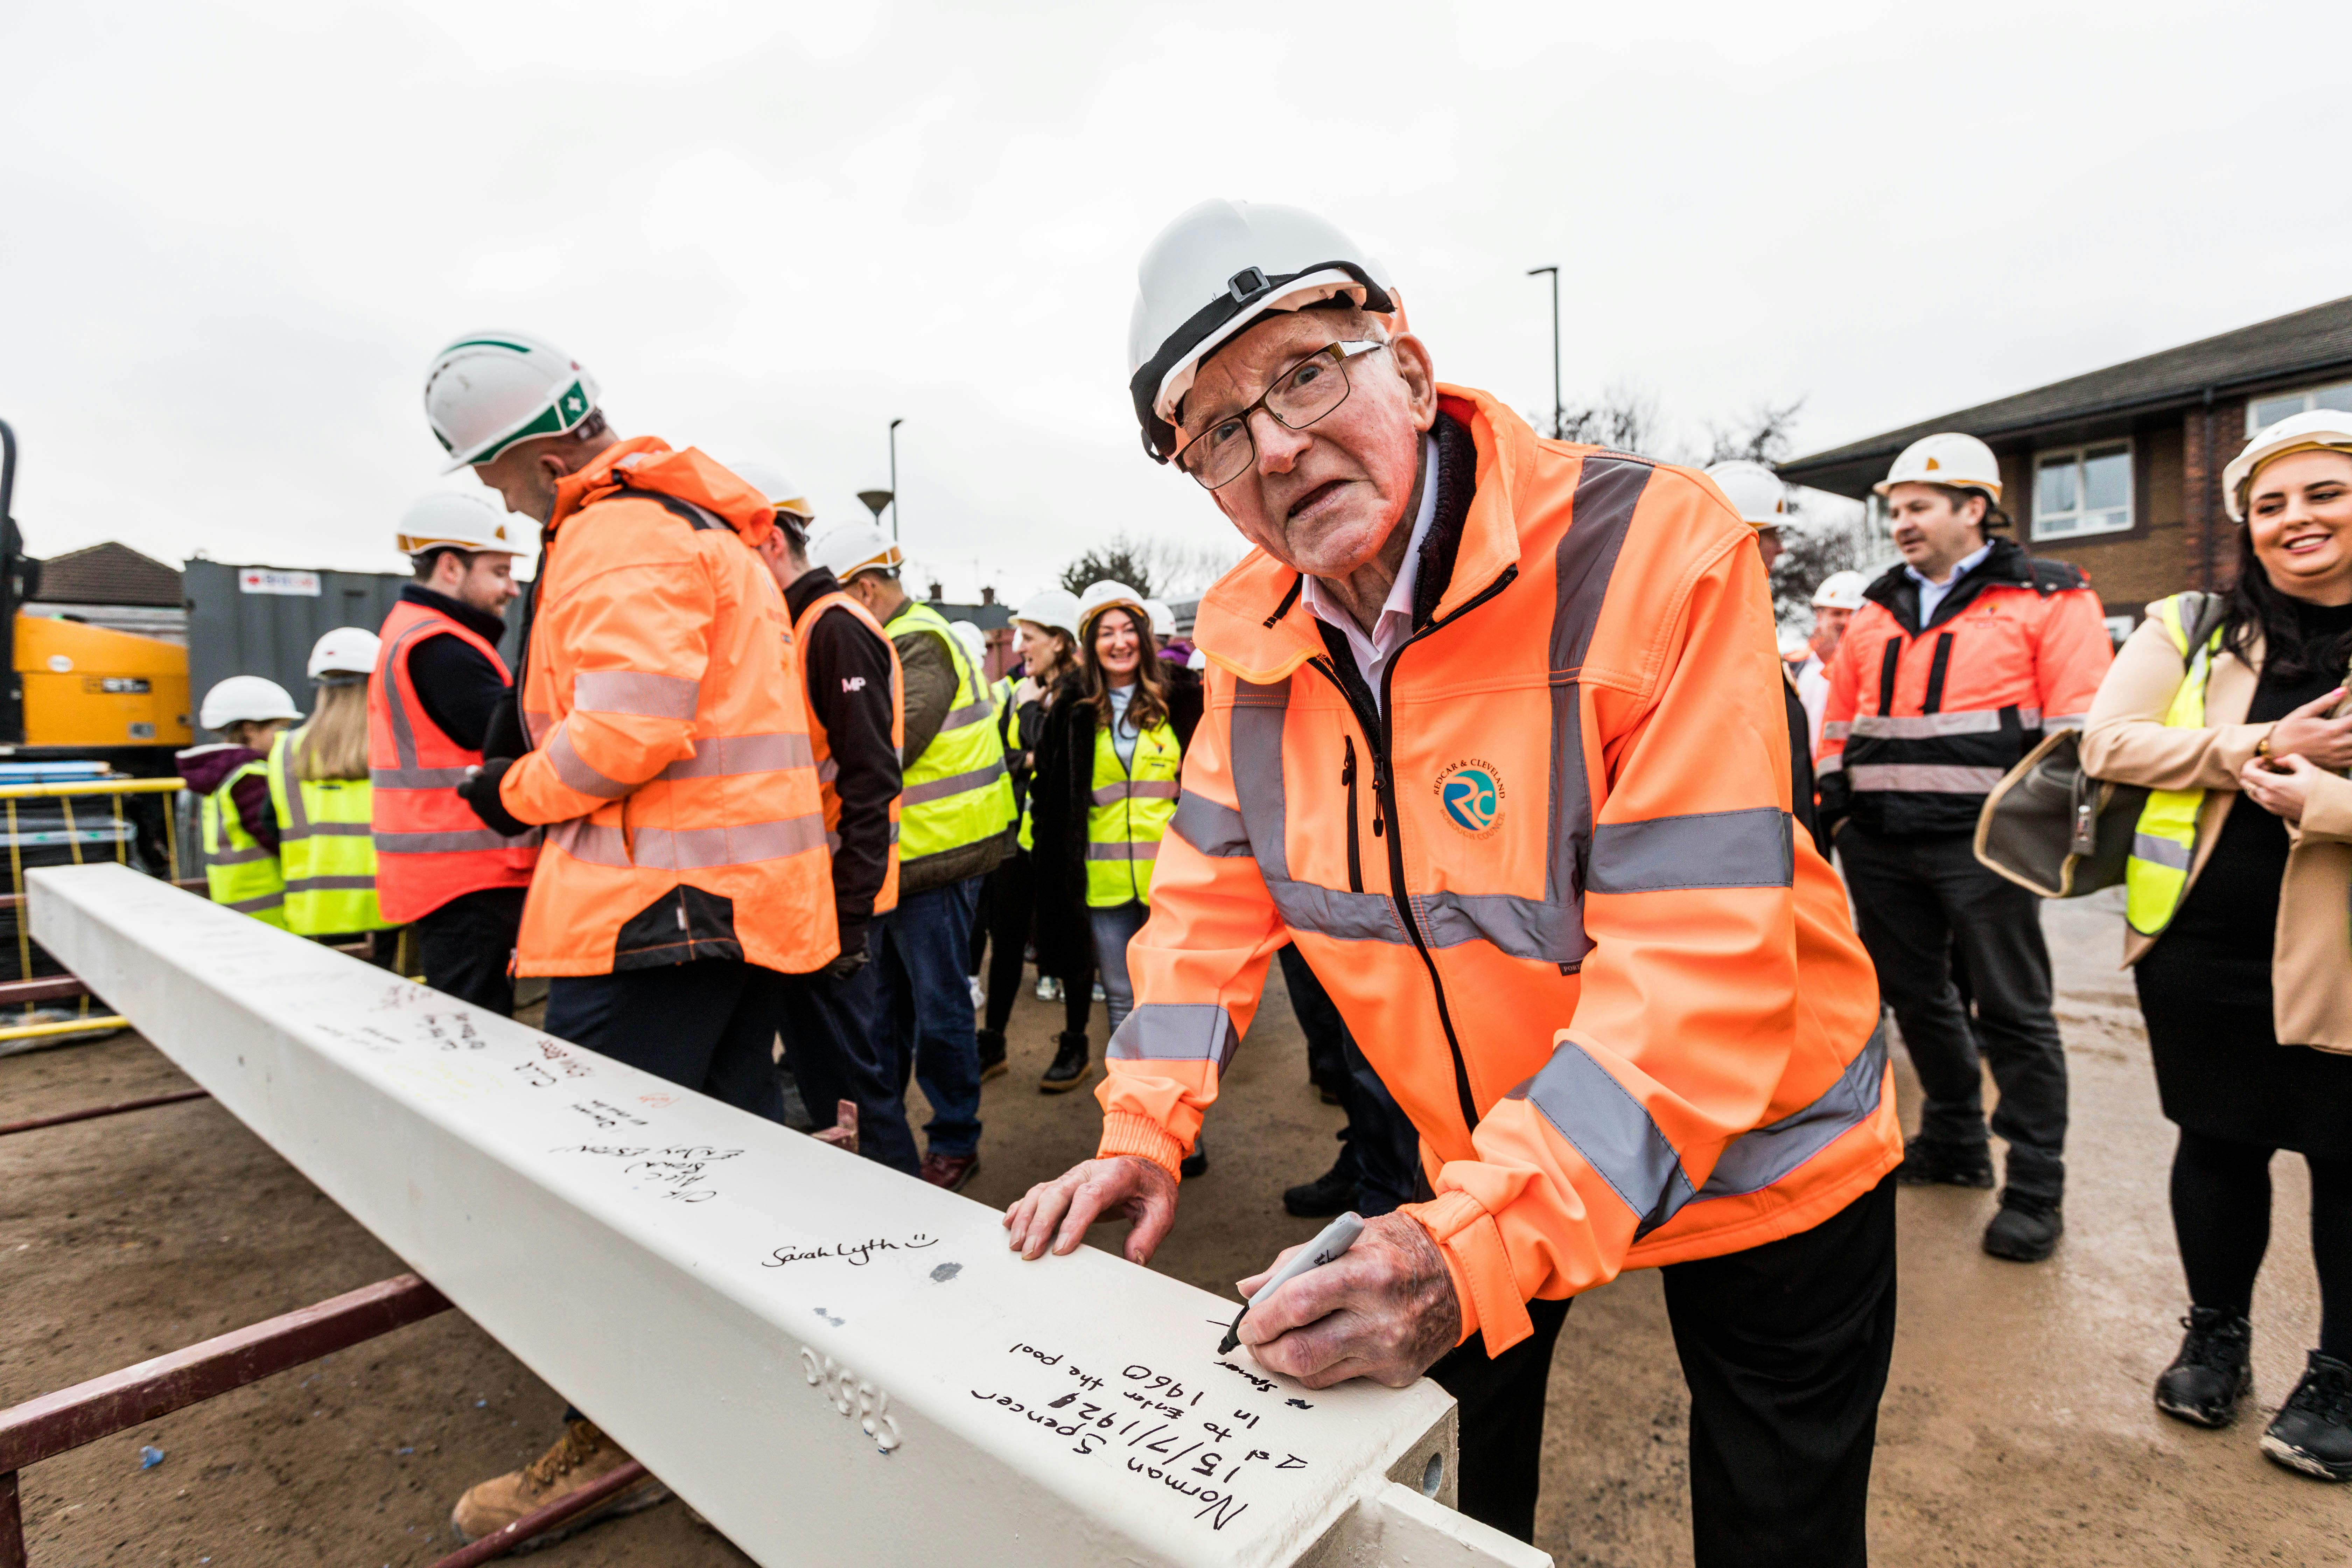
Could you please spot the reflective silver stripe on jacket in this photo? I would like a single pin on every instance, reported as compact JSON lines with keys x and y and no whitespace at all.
{"x":247,"y":906}
{"x":690,"y":848}
{"x":1925,"y":778}
{"x":408,"y":776}
{"x":636,"y":693}
{"x":1132,"y":849}
{"x":1176,"y":1031}
{"x":1131,"y":789}
{"x":832,"y":840}
{"x":1752,"y":848}
{"x":576,"y":774}
{"x":2160,"y":851}
{"x":725,"y":756}
{"x":1593,"y":1111}
{"x":460,"y":842}
{"x":330,"y":884}
{"x":971,"y":712}
{"x":238,"y":857}
{"x":1935,"y":726}
{"x":954,"y":784}
{"x":301,"y":826}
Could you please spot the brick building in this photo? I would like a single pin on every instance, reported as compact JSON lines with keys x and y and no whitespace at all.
{"x":2119,"y":471}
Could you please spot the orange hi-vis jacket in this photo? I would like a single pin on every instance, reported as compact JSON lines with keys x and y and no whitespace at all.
{"x":827,"y":770}
{"x":670,"y":754}
{"x":1569,"y":922}
{"x":430,"y":847}
{"x":1922,"y":722}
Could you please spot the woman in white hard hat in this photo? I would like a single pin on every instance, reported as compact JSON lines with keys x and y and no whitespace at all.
{"x":1046,"y":631}
{"x":319,"y":795}
{"x":230,"y":780}
{"x":2227,"y":708}
{"x":1105,"y":785}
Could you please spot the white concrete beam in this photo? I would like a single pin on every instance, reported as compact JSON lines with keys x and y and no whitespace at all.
{"x":830,"y":1360}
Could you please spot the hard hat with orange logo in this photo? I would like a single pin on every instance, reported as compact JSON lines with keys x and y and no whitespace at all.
{"x":1754,"y":491}
{"x":1949,"y":458}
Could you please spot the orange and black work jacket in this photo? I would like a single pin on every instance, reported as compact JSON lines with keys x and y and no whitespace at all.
{"x":1550,"y":878}
{"x":1922,"y":722}
{"x":670,"y":756}
{"x":858,"y":724}
{"x":430,"y":847}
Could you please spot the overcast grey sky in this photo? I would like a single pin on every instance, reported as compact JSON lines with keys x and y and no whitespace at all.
{"x":231,"y":237}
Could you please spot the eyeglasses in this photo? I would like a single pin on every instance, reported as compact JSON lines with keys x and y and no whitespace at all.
{"x":1305,"y":393}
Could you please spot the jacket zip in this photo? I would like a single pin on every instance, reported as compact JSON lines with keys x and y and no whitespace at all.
{"x":1384,"y":792}
{"x":1347,"y":779}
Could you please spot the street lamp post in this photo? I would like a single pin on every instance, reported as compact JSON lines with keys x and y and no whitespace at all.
{"x":1559,"y":410}
{"x":893,"y":480}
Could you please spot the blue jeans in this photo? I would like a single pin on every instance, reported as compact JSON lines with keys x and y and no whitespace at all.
{"x":921,"y":951}
{"x":1114,"y":928}
{"x":836,"y":1052}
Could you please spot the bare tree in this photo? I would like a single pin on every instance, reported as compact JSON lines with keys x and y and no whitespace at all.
{"x":1766,"y":436}
{"x":1154,"y":567}
{"x":1623,"y":418}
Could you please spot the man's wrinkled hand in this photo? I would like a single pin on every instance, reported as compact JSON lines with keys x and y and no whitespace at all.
{"x":1385,"y":1309}
{"x":1126,"y":1186}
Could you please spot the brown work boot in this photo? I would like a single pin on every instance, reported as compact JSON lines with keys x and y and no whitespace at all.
{"x":585,"y":1456}
{"x":950,"y":1170}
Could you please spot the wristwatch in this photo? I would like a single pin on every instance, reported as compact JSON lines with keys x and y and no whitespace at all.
{"x":2263,"y":746}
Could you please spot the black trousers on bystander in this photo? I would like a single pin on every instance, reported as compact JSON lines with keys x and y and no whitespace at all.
{"x":466,"y":944}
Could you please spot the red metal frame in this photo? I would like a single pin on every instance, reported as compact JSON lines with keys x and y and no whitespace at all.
{"x":54,"y":1423}
{"x":88,"y":1112}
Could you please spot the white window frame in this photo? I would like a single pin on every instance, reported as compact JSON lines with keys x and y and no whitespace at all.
{"x":2131,"y":490}
{"x":2304,"y":394}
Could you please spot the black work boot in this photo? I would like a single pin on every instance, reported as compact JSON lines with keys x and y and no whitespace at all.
{"x":1928,"y":1161}
{"x":1332,"y":1193}
{"x":1072,"y":1065}
{"x":2313,"y":1430}
{"x":1196,"y":1163}
{"x":2214,"y":1371}
{"x":991,"y":1054}
{"x":2026,"y":1230}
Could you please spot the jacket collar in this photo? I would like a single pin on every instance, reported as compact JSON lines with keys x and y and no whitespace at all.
{"x":2007,"y":566}
{"x":1252,"y":623}
{"x":648,"y":463}
{"x":809,"y":587}
{"x":483,"y":625}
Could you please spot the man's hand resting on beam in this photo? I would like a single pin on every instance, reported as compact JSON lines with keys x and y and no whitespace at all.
{"x":1125,"y":1187}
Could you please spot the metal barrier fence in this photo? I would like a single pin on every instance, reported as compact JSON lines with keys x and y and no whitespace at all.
{"x":144,"y":823}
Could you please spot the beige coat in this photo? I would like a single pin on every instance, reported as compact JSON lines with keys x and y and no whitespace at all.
{"x":2126,"y":741}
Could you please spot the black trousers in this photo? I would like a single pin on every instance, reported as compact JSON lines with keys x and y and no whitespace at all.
{"x":833,"y":1043}
{"x":1378,"y":1146}
{"x":1785,"y":1347}
{"x":708,"y":1025}
{"x":1002,"y":926}
{"x":465,"y":944}
{"x":1916,"y":900}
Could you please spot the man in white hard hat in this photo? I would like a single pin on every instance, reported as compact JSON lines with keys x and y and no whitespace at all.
{"x":956,"y":822}
{"x":833,"y":1033}
{"x":683,"y":873}
{"x":441,"y":688}
{"x":230,"y":779}
{"x":1834,"y":602}
{"x":1760,"y":497}
{"x":1494,"y":734}
{"x":1959,"y":661}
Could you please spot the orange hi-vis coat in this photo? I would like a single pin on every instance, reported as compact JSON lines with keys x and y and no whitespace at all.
{"x":430,"y":847}
{"x":670,"y":756}
{"x":1922,"y":722}
{"x":827,"y":770}
{"x":1569,"y":921}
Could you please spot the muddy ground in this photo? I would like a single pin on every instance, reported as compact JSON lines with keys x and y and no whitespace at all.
{"x":2016,"y":1429}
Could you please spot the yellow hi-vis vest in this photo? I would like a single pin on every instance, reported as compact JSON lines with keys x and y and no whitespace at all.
{"x":238,"y":871}
{"x":325,"y":846}
{"x":1126,"y":814}
{"x":2164,"y":843}
{"x":957,"y":792}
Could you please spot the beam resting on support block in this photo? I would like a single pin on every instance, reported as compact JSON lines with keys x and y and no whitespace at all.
{"x":830,"y":1360}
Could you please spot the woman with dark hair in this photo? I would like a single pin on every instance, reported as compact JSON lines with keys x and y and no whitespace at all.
{"x":1045,"y":627}
{"x":1103,"y":792}
{"x":2226,"y":709}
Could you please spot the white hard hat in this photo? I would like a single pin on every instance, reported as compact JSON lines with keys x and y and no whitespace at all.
{"x":848,"y":548}
{"x":488,"y":390}
{"x":1754,"y":491}
{"x":1216,"y":269}
{"x":974,"y":640}
{"x":1949,"y":459}
{"x":2320,"y":427}
{"x":1840,"y":591}
{"x":461,"y":519}
{"x":1163,"y":619}
{"x":346,"y":650}
{"x":245,"y":696}
{"x":1056,"y":609}
{"x":1198,"y":662}
{"x":781,"y":493}
{"x":1100,"y":596}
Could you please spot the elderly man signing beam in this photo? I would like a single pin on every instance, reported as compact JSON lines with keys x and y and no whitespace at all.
{"x":1494,"y":734}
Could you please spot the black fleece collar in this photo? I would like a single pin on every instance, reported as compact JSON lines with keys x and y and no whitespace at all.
{"x":809,"y":587}
{"x":486,"y":626}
